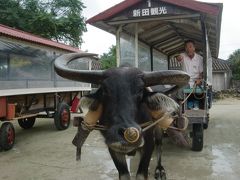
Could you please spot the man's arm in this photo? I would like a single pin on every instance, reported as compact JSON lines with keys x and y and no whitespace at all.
{"x":200,"y":76}
{"x":199,"y":80}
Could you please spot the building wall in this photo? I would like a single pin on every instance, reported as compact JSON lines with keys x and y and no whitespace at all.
{"x":221,"y":81}
{"x":218,"y":81}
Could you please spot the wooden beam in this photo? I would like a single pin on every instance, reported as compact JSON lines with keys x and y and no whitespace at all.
{"x":152,"y":19}
{"x":169,"y":45}
{"x":167,"y":38}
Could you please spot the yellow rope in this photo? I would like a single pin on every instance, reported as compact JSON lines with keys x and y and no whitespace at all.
{"x":193,"y":89}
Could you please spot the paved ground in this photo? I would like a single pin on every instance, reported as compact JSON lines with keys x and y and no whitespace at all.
{"x":43,"y":153}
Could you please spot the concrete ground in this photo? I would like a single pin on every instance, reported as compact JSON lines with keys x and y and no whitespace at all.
{"x":42,"y":153}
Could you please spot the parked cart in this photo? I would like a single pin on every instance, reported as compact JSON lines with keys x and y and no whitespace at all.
{"x":25,"y":105}
{"x":29,"y":86}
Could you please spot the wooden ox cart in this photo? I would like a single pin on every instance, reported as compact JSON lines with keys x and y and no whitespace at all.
{"x":29,"y":87}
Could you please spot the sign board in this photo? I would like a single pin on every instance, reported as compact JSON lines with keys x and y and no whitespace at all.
{"x":150,"y":8}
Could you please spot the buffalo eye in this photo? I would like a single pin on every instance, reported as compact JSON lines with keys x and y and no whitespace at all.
{"x":139,"y":93}
{"x":105,"y":91}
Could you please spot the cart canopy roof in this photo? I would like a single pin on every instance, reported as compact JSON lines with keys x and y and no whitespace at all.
{"x":164,"y":24}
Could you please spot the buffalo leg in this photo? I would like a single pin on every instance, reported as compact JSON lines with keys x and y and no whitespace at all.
{"x":121,"y":164}
{"x":146,"y":155}
{"x":160,"y":173}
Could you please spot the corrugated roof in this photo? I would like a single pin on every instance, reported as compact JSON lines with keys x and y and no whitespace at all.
{"x":218,"y":65}
{"x":18,"y":34}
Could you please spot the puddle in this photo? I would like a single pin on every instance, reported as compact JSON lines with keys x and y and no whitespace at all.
{"x":221,"y":163}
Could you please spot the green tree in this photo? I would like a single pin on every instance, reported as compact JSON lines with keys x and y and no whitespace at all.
{"x":60,"y":20}
{"x":234,"y":60}
{"x":108,"y":59}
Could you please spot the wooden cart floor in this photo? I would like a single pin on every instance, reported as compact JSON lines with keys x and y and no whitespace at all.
{"x":196,"y":113}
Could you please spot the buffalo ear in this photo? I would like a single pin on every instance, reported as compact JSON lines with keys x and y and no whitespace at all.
{"x":95,"y":94}
{"x":92,"y":100}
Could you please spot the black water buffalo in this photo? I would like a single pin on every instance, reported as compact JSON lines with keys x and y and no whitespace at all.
{"x":127,"y":104}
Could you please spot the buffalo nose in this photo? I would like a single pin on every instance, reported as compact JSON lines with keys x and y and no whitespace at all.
{"x":131,"y":134}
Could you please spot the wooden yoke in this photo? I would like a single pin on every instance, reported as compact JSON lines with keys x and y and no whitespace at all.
{"x":92,"y":116}
{"x":157,"y":114}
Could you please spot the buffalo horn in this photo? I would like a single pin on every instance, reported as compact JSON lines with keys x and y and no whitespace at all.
{"x":62,"y":69}
{"x":170,"y":77}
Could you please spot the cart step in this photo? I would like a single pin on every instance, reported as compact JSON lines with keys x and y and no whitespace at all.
{"x":196,"y":113}
{"x":25,"y":116}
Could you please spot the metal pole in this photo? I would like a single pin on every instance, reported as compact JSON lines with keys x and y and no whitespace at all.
{"x":118,"y":45}
{"x":151,"y":57}
{"x":205,"y":54}
{"x":136,"y":44}
{"x":168,"y":59}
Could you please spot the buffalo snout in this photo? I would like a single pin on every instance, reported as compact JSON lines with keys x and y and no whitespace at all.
{"x":125,"y":139}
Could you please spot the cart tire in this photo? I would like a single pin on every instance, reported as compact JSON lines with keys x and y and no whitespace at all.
{"x":62,"y":116}
{"x":27,"y":123}
{"x":197,"y":137}
{"x":7,"y":136}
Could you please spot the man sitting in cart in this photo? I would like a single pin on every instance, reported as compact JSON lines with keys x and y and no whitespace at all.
{"x":192,"y":63}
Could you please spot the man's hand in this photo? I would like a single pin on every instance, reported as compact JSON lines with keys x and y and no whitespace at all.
{"x":179,"y":58}
{"x":198,"y":82}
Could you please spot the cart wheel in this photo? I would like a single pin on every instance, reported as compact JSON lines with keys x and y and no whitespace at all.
{"x":7,"y":136}
{"x":197,"y":137}
{"x":26,"y":123}
{"x":62,"y":116}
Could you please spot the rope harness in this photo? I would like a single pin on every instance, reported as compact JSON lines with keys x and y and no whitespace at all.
{"x":147,"y":125}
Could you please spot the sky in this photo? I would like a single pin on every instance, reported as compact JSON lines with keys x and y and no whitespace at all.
{"x":99,"y":41}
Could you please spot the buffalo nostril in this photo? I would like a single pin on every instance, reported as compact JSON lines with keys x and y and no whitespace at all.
{"x":121,"y":132}
{"x":131,"y":134}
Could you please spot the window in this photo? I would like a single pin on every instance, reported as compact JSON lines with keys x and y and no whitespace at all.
{"x":26,"y":67}
{"x":79,"y":64}
{"x":159,"y":61}
{"x":3,"y":66}
{"x":144,"y":61}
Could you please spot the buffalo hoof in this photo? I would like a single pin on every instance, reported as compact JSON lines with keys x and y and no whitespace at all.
{"x":125,"y":177}
{"x":140,"y":177}
{"x":160,"y":174}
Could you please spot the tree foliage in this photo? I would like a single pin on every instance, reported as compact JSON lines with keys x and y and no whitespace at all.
{"x":60,"y":20}
{"x":108,"y":59}
{"x":234,"y":60}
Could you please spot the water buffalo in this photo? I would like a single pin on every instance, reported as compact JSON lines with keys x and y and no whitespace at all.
{"x":127,"y":104}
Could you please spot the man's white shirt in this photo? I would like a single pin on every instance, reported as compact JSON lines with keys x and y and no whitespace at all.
{"x":194,"y":66}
